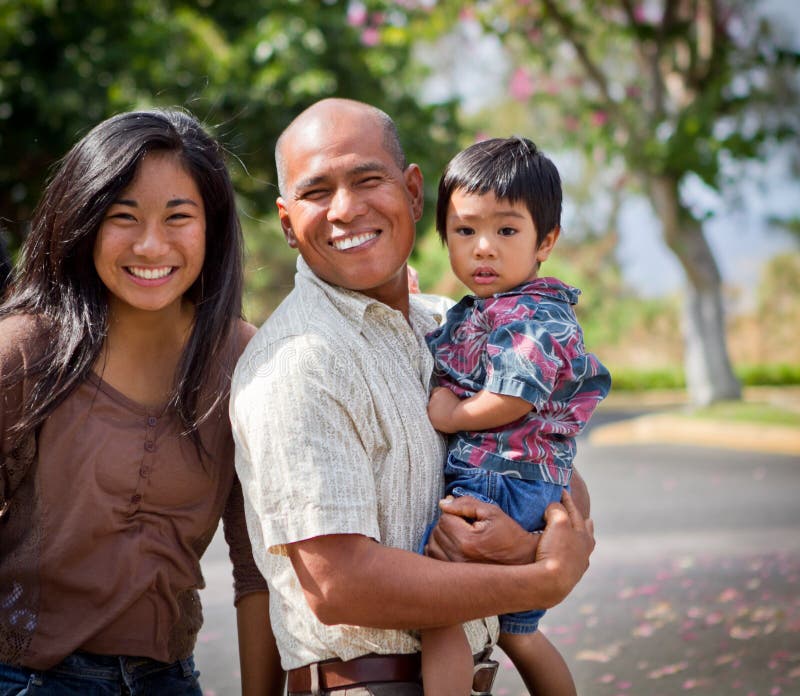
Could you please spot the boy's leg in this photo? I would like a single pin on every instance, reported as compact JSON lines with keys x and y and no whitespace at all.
{"x":539,"y":663}
{"x":446,"y":662}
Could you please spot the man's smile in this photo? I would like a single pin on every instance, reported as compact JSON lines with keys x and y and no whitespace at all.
{"x":344,"y":243}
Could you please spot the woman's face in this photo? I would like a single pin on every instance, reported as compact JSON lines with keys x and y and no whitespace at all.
{"x":151,"y":244}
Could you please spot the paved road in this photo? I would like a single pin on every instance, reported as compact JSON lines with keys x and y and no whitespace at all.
{"x":694,"y":586}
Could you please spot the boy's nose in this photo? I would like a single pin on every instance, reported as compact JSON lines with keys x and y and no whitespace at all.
{"x":483,"y":246}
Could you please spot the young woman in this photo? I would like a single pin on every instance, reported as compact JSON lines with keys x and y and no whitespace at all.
{"x":117,"y":341}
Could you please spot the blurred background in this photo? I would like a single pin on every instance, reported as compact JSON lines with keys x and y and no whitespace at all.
{"x":674,"y":124}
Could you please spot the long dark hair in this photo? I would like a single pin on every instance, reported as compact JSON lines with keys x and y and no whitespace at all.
{"x":56,"y":278}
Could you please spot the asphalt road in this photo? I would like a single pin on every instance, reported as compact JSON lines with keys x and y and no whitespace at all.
{"x":694,"y":585}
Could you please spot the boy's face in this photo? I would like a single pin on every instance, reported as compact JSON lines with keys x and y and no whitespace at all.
{"x":492,"y":243}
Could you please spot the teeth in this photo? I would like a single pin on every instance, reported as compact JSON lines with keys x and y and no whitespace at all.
{"x":350,"y":242}
{"x":150,"y":273}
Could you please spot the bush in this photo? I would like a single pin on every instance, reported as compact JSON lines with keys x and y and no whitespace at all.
{"x":775,"y":375}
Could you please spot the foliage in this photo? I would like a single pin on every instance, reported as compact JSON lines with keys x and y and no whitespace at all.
{"x":772,"y":375}
{"x":245,"y":67}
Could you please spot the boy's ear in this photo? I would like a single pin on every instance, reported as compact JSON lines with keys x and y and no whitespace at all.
{"x":286,"y":224}
{"x":547,"y":244}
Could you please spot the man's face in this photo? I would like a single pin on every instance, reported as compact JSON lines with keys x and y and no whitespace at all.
{"x":347,"y":206}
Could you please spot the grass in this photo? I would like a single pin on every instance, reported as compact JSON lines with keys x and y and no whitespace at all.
{"x":745,"y":412}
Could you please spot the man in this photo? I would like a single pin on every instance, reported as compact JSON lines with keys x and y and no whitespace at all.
{"x":340,"y":467}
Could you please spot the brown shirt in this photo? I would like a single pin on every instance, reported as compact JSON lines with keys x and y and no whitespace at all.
{"x":101,"y":547}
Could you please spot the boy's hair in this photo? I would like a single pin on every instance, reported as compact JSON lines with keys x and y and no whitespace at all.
{"x":514,"y":169}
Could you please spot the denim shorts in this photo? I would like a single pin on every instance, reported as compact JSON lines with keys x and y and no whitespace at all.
{"x":86,"y":674}
{"x":522,"y":500}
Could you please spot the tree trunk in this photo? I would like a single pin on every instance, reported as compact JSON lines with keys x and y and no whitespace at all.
{"x":709,"y":376}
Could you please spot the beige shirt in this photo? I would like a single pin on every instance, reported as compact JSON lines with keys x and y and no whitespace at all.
{"x":332,"y":436}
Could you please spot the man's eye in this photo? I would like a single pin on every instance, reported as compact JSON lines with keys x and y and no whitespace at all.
{"x":313,"y":194}
{"x":507,"y":232}
{"x":369,"y":180}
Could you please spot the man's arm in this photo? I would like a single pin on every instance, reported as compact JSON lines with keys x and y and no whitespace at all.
{"x":259,"y":661}
{"x":349,"y":578}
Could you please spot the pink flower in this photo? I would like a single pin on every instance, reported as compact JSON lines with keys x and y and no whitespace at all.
{"x":356,"y":15}
{"x":521,"y":85}
{"x":370,"y":36}
{"x":599,"y":118}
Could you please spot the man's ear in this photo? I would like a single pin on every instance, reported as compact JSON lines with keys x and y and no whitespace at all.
{"x":286,"y":224}
{"x":414,"y":184}
{"x":547,"y":244}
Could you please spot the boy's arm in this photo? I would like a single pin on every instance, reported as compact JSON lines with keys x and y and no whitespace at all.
{"x":484,"y":411}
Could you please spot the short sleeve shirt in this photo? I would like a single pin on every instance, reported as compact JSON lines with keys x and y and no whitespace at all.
{"x":332,"y":437}
{"x":525,"y":343}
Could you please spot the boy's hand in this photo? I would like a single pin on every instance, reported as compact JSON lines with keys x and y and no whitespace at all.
{"x":440,"y":409}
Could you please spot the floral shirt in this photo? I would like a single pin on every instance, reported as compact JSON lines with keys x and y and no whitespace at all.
{"x":525,"y":343}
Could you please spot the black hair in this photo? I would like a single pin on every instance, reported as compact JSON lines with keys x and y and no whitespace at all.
{"x":514,"y":169}
{"x":56,"y":278}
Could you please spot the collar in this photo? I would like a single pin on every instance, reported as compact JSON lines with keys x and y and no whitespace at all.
{"x":354,"y":305}
{"x":549,"y":287}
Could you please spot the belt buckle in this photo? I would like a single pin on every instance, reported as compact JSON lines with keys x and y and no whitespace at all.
{"x":483,"y":675}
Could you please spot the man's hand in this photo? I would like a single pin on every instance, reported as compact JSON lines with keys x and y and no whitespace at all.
{"x":440,"y":409}
{"x":471,"y":530}
{"x":567,"y":543}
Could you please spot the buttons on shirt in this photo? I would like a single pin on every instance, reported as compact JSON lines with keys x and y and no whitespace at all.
{"x":152,"y":421}
{"x":150,"y":446}
{"x":136,"y":499}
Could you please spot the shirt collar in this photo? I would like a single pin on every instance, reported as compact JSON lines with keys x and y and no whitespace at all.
{"x":354,"y":305}
{"x":549,"y":287}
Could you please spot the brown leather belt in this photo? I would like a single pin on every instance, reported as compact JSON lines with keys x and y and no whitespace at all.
{"x":371,"y":669}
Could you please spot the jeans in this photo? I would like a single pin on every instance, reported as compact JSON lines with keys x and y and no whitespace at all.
{"x":522,"y":500}
{"x":85,"y":674}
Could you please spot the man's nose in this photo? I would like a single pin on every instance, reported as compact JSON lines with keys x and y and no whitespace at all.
{"x":345,"y":205}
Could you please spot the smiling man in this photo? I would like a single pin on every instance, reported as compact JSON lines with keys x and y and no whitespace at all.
{"x":340,"y":466}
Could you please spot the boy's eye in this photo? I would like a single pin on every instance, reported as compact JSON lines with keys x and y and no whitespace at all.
{"x":506,"y":231}
{"x":464,"y":231}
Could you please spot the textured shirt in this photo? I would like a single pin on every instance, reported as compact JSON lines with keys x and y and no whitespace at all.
{"x":525,"y":343}
{"x":100,"y":550}
{"x":328,"y":407}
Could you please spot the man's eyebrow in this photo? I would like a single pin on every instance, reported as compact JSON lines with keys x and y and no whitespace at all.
{"x":363,"y":168}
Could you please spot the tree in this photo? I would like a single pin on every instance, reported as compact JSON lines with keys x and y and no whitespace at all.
{"x":676,"y":89}
{"x":245,"y":67}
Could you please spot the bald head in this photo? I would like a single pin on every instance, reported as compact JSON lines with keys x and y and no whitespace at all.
{"x":328,"y":111}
